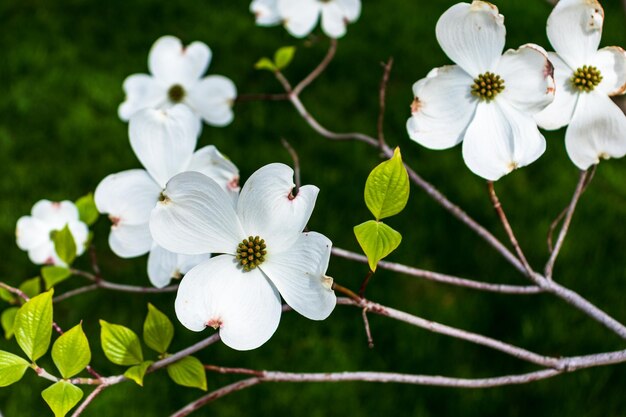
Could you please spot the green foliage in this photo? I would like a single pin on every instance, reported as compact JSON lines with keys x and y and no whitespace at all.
{"x":284,"y":56}
{"x":265,"y":64}
{"x":7,"y":319}
{"x":70,"y":352}
{"x":377,"y":240}
{"x":12,"y":368}
{"x":61,"y":397}
{"x":120,"y":344}
{"x":7,"y":296}
{"x":64,"y":244}
{"x":33,"y":325}
{"x":137,"y":372}
{"x":31,"y":287}
{"x":188,"y":372}
{"x":87,"y":210}
{"x":158,"y":330}
{"x":387,"y":188}
{"x":53,"y":275}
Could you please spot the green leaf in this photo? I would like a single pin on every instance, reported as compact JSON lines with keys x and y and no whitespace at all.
{"x":33,"y":325}
{"x":377,"y":240}
{"x":158,"y":330}
{"x":64,"y":244}
{"x":265,"y":64}
{"x":62,"y":397}
{"x":31,"y":287}
{"x":87,"y":210}
{"x":12,"y":368}
{"x":188,"y":372}
{"x":7,"y":296}
{"x":283,"y":57}
{"x":387,"y":187}
{"x":70,"y":352}
{"x":137,"y":372}
{"x":53,"y":275}
{"x":7,"y":319}
{"x":120,"y":344}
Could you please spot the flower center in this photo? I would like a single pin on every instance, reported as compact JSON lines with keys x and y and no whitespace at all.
{"x":586,"y":78}
{"x":487,"y":86}
{"x":176,"y":93}
{"x":251,"y":252}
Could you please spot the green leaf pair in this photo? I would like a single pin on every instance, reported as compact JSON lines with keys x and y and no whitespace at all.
{"x":282,"y":58}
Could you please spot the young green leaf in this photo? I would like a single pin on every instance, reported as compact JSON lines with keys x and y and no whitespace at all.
{"x":7,"y":296}
{"x":12,"y":368}
{"x":283,"y":57}
{"x":64,"y":244}
{"x":33,"y":325}
{"x":188,"y":372}
{"x":53,"y":275}
{"x":61,"y":397}
{"x":377,"y":240}
{"x":387,"y":187}
{"x":158,"y":330}
{"x":137,"y":372}
{"x":120,"y":344}
{"x":265,"y":64}
{"x":31,"y":287}
{"x":7,"y":319}
{"x":87,"y":210}
{"x":70,"y":352}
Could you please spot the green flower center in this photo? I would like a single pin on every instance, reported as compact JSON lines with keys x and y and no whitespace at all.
{"x":487,"y":86}
{"x":176,"y":93}
{"x":251,"y":252}
{"x":586,"y":78}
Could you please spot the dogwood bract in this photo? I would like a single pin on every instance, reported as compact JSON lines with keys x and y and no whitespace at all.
{"x":585,"y":78}
{"x":33,"y":232}
{"x":164,"y":142}
{"x":265,"y":12}
{"x":263,"y":254}
{"x":175,"y":78}
{"x":487,"y":99}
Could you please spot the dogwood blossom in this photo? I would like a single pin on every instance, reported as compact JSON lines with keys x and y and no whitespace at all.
{"x":263,"y":254}
{"x":585,"y":78}
{"x":265,"y":12}
{"x":164,"y":142}
{"x":176,"y":77}
{"x":34,"y":232}
{"x":487,"y":99}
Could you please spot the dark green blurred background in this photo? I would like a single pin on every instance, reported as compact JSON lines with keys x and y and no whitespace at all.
{"x":61,"y":71}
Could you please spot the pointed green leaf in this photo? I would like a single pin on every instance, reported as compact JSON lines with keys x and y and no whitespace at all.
{"x":31,"y":287}
{"x":33,"y":325}
{"x":64,"y":244}
{"x":137,"y":372}
{"x":61,"y":397}
{"x":387,"y":187}
{"x":377,"y":240}
{"x":12,"y":368}
{"x":53,"y":275}
{"x":7,"y":319}
{"x":283,"y":57}
{"x":70,"y":352}
{"x":87,"y":210}
{"x":188,"y":372}
{"x":120,"y":344}
{"x":7,"y":296}
{"x":158,"y":330}
{"x":265,"y":64}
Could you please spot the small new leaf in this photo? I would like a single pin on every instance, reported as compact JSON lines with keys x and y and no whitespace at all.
{"x":7,"y":319}
{"x":284,"y":56}
{"x":387,"y":187}
{"x":64,"y":244}
{"x":120,"y":344}
{"x":7,"y":296}
{"x":53,"y":275}
{"x":31,"y":287}
{"x":61,"y":397}
{"x":377,"y":241}
{"x":33,"y":325}
{"x":12,"y":368}
{"x":70,"y":352}
{"x":188,"y":372}
{"x":158,"y":330}
{"x":265,"y":64}
{"x":87,"y":210}
{"x":137,"y":372}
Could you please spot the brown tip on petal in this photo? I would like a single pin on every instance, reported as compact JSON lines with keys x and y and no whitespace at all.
{"x":604,"y":155}
{"x":327,"y":282}
{"x":56,"y":205}
{"x":114,"y":220}
{"x":512,"y":166}
{"x":233,"y":184}
{"x":416,"y":105}
{"x":216,"y":323}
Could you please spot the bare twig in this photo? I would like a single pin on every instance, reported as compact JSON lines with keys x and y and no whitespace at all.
{"x":382,"y":92}
{"x":366,"y":281}
{"x":553,"y":226}
{"x":296,"y":163}
{"x":368,"y":332}
{"x":77,"y":291}
{"x":319,"y":69}
{"x":89,"y":399}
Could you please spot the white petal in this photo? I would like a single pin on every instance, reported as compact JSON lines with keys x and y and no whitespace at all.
{"x":611,"y":62}
{"x":298,"y":273}
{"x":442,"y":109}
{"x":196,"y":217}
{"x":130,"y":240}
{"x":213,"y":98}
{"x":142,"y":91}
{"x":265,"y":12}
{"x":31,"y":232}
{"x":44,"y":254}
{"x":501,"y":139}
{"x":171,"y":63}
{"x":244,"y":305}
{"x":299,"y":16}
{"x":472,"y":35}
{"x":267,"y":208}
{"x":55,"y":214}
{"x":333,"y":20}
{"x":597,"y":131}
{"x":80,"y":233}
{"x":162,"y":266}
{"x":187,"y":262}
{"x":560,"y":112}
{"x":210,"y":162}
{"x":163,"y":140}
{"x":575,"y":29}
{"x":351,"y":8}
{"x":528,"y":78}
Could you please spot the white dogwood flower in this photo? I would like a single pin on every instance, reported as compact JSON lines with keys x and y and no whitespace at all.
{"x":487,"y":100}
{"x":263,"y":254}
{"x":265,"y":12}
{"x":164,"y":142}
{"x":176,"y":77}
{"x":34,"y":232}
{"x":585,"y":78}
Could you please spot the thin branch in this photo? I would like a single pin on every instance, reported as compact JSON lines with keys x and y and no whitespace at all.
{"x":553,"y":226}
{"x":366,"y":281}
{"x":319,"y":69}
{"x":368,"y":332}
{"x":89,"y":399}
{"x":219,"y":393}
{"x":382,"y":92}
{"x":240,"y":371}
{"x":296,"y":163}
{"x":77,"y":291}
{"x":135,"y":289}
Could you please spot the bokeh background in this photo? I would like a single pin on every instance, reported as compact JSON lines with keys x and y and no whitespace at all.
{"x":61,"y":71}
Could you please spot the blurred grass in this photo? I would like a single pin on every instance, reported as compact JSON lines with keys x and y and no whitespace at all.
{"x":62,"y":69}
